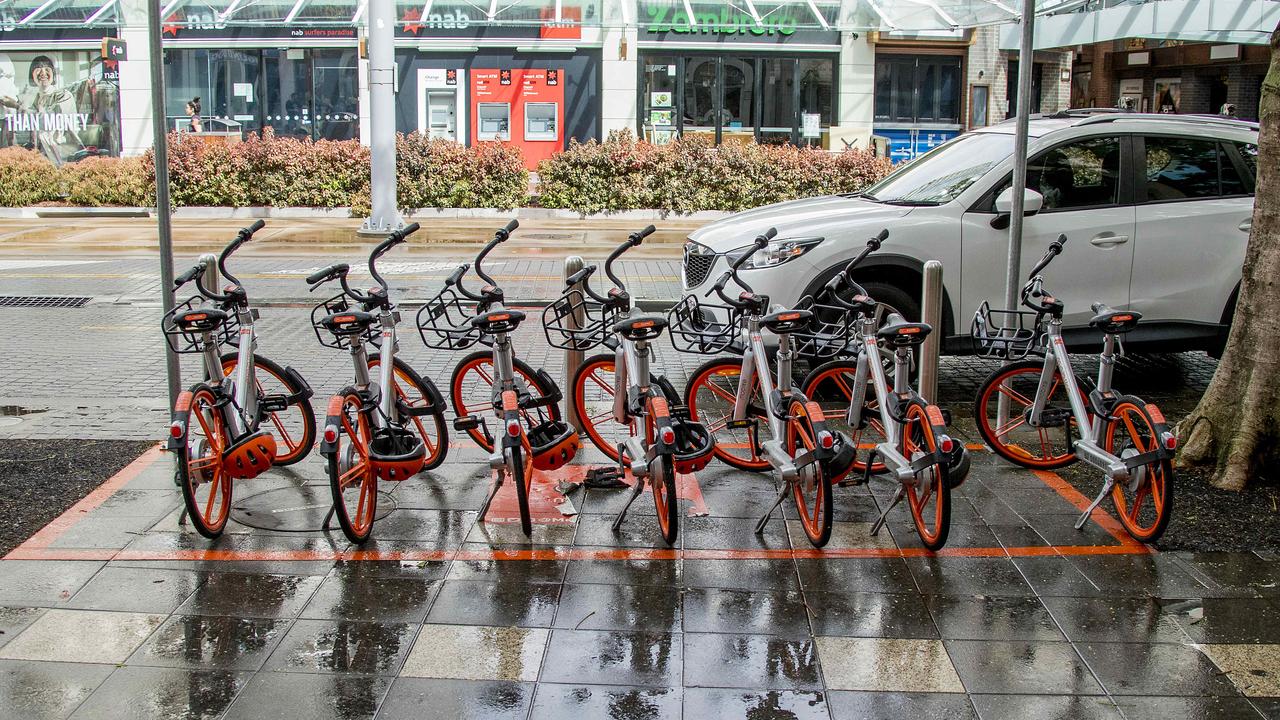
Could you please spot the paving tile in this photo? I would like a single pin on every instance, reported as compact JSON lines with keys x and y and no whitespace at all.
{"x":148,"y":693}
{"x":469,"y":652}
{"x":958,"y":536}
{"x":750,"y":661}
{"x":42,"y":583}
{"x":252,"y":595}
{"x":888,"y":575}
{"x":82,"y":636}
{"x":1021,"y":667}
{"x":417,"y":698}
{"x":887,"y":615}
{"x":1154,"y":669}
{"x":755,"y":704}
{"x":707,"y":533}
{"x":1251,"y":667}
{"x":979,"y":617}
{"x":666,"y":573}
{"x":844,"y":535}
{"x":1056,"y":577}
{"x":846,"y":705}
{"x":1141,"y":575}
{"x":1190,"y":708}
{"x":14,"y":619}
{"x":467,"y":602}
{"x":211,"y":642}
{"x":310,"y":697}
{"x":888,"y":664}
{"x":434,"y":528}
{"x":749,"y":574}
{"x":1268,"y":707}
{"x":1018,"y":536}
{"x":1046,"y":707}
{"x":555,"y":701}
{"x":363,"y":597}
{"x":47,"y":690}
{"x":140,"y":502}
{"x":1116,"y":619}
{"x":718,"y":610}
{"x":366,"y":648}
{"x":638,"y":531}
{"x":644,"y":608}
{"x":508,"y":534}
{"x":1231,"y":570}
{"x":136,"y":589}
{"x":102,"y":532}
{"x":968,"y":576}
{"x":527,"y":571}
{"x":601,"y":657}
{"x":398,"y":568}
{"x":1228,"y":620}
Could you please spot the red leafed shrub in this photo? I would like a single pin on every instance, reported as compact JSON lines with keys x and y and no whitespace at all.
{"x":99,"y":181}
{"x":441,"y":173}
{"x":26,"y":178}
{"x":288,"y":172}
{"x":691,"y":174}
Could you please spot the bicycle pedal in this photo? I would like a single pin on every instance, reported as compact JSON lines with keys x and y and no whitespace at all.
{"x":740,"y":424}
{"x":273,"y":403}
{"x":467,"y":423}
{"x":1054,"y":417}
{"x":604,"y":478}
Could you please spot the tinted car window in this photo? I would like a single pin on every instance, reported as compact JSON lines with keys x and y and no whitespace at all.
{"x":1080,"y":174}
{"x":1181,"y":168}
{"x":1229,"y":176}
{"x":1249,"y":153}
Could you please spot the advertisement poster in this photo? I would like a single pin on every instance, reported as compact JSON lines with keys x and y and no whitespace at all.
{"x":1168,"y":95}
{"x":63,"y":105}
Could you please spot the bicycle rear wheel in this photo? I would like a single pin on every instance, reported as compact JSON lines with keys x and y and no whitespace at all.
{"x":1047,"y":447}
{"x":521,"y":469}
{"x":662,"y":481}
{"x":812,"y":489}
{"x":831,"y":386}
{"x":710,"y":396}
{"x":471,"y":392}
{"x":594,"y":387}
{"x":1146,"y":502}
{"x":418,"y":391}
{"x":206,"y":486}
{"x":351,"y":478}
{"x":294,"y":427}
{"x":930,"y":496}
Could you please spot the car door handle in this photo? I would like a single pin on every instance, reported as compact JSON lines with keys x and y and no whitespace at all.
{"x":1108,"y":240}
{"x":1246,"y":226}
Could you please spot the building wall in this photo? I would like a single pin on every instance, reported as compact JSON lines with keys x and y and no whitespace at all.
{"x":618,"y":70}
{"x":135,"y":81}
{"x":855,"y":97}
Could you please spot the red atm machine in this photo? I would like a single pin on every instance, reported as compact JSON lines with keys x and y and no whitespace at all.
{"x":521,"y":107}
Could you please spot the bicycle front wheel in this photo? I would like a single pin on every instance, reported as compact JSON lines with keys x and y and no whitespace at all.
{"x":662,"y":481}
{"x":710,"y":396}
{"x":206,"y":486}
{"x":831,"y":386}
{"x":1145,"y":503}
{"x":1048,"y":446}
{"x":294,"y":427}
{"x":930,"y":495}
{"x":471,"y":391}
{"x":522,"y":475}
{"x":418,"y":391}
{"x":351,"y":478}
{"x":812,"y":488}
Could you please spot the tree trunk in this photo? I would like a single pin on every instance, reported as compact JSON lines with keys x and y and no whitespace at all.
{"x":1236,"y":425}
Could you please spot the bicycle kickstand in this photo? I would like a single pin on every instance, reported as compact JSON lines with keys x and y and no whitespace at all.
{"x":884,"y":517}
{"x":782,"y":495}
{"x":327,"y":518}
{"x":636,"y":489}
{"x":1106,"y":490}
{"x":484,"y":509}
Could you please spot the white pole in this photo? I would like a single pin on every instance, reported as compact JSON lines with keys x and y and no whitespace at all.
{"x":159,"y":134}
{"x":385,"y":215}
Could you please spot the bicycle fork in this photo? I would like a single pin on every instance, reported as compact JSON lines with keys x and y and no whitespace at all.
{"x":631,"y":360}
{"x":505,"y":398}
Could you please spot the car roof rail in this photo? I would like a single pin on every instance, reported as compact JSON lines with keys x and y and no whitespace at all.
{"x":1165,"y":117}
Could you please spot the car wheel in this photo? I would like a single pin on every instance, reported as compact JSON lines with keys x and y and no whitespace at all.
{"x":894,"y":299}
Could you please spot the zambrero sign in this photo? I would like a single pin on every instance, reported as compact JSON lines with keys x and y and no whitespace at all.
{"x":724,"y":23}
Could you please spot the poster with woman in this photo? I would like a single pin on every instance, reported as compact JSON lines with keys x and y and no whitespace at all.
{"x":63,"y":105}
{"x":1168,"y":95}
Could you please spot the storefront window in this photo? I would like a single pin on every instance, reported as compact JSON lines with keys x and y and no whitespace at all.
{"x":286,"y":92}
{"x":924,"y":89}
{"x":63,"y":105}
{"x":659,"y":122}
{"x":701,"y":91}
{"x":337,"y":92}
{"x":736,"y":117}
{"x":777,"y":111}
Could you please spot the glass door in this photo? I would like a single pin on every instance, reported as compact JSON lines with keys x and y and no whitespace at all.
{"x":701,"y":97}
{"x":233,"y":80}
{"x":778,"y":117}
{"x":660,"y":121}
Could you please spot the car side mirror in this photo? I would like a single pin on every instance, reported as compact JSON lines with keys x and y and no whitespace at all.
{"x":1032,"y":203}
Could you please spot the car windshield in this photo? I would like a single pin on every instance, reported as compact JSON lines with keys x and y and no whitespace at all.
{"x":940,"y":175}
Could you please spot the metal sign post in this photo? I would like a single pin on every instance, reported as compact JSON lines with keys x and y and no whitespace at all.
{"x":161,"y":149}
{"x":384,"y":214}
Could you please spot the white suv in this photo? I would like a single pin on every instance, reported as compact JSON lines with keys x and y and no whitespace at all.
{"x":1156,"y":209}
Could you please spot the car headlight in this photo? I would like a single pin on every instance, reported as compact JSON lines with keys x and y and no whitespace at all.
{"x":777,"y":252}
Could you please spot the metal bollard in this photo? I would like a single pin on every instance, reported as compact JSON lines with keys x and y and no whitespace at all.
{"x":210,"y":279}
{"x":572,"y":358}
{"x":931,"y":310}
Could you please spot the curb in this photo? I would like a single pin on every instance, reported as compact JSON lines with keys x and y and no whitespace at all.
{"x":344,"y":213}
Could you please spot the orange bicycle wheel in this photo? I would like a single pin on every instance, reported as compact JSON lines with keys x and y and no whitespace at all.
{"x":471,"y":391}
{"x":594,"y":388}
{"x":351,"y":478}
{"x":710,"y":395}
{"x":294,"y":427}
{"x":812,"y":489}
{"x":415,"y":390}
{"x":1146,"y":502}
{"x":831,"y":386}
{"x":206,"y":486}
{"x":662,"y":481}
{"x":1038,"y":448}
{"x":930,"y":495}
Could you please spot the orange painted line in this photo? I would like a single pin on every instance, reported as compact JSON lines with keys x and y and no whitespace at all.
{"x":1099,"y":516}
{"x":59,"y":525}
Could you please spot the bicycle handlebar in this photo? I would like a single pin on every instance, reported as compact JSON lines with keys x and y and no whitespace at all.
{"x":196,"y":271}
{"x":395,"y":238}
{"x":317,"y":279}
{"x":242,"y":237}
{"x":499,"y":237}
{"x":1054,"y":250}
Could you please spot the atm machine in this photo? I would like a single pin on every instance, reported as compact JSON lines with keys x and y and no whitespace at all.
{"x":494,"y":120}
{"x":442,"y":111}
{"x":442,"y":115}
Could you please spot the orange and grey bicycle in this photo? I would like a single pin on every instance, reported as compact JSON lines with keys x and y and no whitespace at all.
{"x":247,"y":414}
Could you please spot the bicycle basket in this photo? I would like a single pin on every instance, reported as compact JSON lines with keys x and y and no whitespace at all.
{"x":702,"y":328}
{"x":445,"y":324}
{"x":576,"y":322}
{"x":1004,"y":334}
{"x":328,"y":338}
{"x":828,"y":332}
{"x":189,"y":340}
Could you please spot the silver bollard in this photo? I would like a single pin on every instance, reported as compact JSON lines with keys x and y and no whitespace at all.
{"x":210,"y":279}
{"x":931,"y":311}
{"x":572,"y":358}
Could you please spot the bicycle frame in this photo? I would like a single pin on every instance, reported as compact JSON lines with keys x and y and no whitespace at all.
{"x":871,"y":371}
{"x":631,"y":360}
{"x":383,"y":391}
{"x":755,"y":363}
{"x":242,"y":415}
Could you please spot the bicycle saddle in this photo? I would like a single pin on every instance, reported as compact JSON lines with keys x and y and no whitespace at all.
{"x":349,"y":322}
{"x":200,"y":320}
{"x":1114,"y":322}
{"x":900,"y":333}
{"x":497,"y":321}
{"x":645,"y":327}
{"x":786,"y":321}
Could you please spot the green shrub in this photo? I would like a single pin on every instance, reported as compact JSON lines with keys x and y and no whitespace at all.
{"x":441,"y":173}
{"x":287,"y":172}
{"x":692,"y":174}
{"x":27,"y":178}
{"x":99,"y":181}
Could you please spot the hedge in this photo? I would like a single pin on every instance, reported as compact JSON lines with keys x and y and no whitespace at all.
{"x":691,"y":174}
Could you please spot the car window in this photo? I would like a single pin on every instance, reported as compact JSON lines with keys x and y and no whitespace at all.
{"x":1228,"y":175}
{"x":1249,"y":153}
{"x":1181,"y":169}
{"x":1080,"y":174}
{"x":940,"y":175}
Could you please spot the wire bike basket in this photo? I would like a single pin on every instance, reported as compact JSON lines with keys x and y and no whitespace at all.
{"x":576,"y":322}
{"x":190,"y":339}
{"x":327,"y":336}
{"x":702,"y":328}
{"x":828,"y":332}
{"x":445,"y":324}
{"x":1005,"y":334}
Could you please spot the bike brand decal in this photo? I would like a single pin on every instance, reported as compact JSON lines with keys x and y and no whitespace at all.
{"x":814,"y":410}
{"x":184,"y":402}
{"x":909,"y":331}
{"x":1156,"y":416}
{"x":335,"y":405}
{"x":934,"y":413}
{"x":246,"y":331}
{"x":660,"y":408}
{"x":789,"y":316}
{"x":509,"y":403}
{"x":345,"y":319}
{"x":643,"y":324}
{"x":197,"y":316}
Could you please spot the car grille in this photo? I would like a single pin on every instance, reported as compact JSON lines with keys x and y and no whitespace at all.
{"x":697,"y":267}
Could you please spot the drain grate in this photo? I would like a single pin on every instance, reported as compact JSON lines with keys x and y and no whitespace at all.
{"x":44,"y":301}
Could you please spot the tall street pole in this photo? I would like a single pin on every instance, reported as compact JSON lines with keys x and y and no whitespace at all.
{"x":385,"y":215}
{"x":1026,"y":64}
{"x":159,"y":134}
